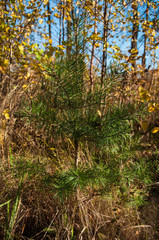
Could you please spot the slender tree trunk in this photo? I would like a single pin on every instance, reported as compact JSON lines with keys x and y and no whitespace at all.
{"x":49,"y":19}
{"x":145,"y":39}
{"x":76,"y":38}
{"x":135,"y":31}
{"x":84,"y":41}
{"x":63,"y":23}
{"x":60,"y":34}
{"x":68,"y":48}
{"x":93,"y":48}
{"x":105,"y":33}
{"x":6,"y":84}
{"x":75,"y":31}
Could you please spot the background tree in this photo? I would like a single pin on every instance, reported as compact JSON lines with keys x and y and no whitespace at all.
{"x":105,"y":35}
{"x":135,"y":29}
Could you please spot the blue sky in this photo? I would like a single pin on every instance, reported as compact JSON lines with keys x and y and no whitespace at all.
{"x":116,"y":35}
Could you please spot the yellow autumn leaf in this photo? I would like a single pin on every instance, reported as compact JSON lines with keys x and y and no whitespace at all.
{"x":27,"y":76}
{"x":24,"y":86}
{"x":56,"y":15}
{"x":50,"y":41}
{"x":25,"y":65}
{"x":97,"y":45}
{"x":61,"y":47}
{"x":156,"y":106}
{"x":133,"y":51}
{"x":127,"y":88}
{"x":151,"y":109}
{"x":2,"y":69}
{"x":5,"y":111}
{"x":41,"y":21}
{"x":155,"y":130}
{"x":95,"y":19}
{"x":106,"y":45}
{"x":6,"y":114}
{"x":45,"y":2}
{"x":6,"y":63}
{"x":21,"y":48}
{"x":109,"y":52}
{"x":68,"y":18}
{"x":144,"y":95}
{"x":95,"y":36}
{"x":7,"y":29}
{"x":114,"y":48}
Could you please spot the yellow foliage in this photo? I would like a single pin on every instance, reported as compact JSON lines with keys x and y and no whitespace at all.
{"x":7,"y":29}
{"x":97,"y":45}
{"x":115,"y":48}
{"x":133,"y":51}
{"x":6,"y":114}
{"x":61,"y":47}
{"x":155,"y":130}
{"x":27,"y":76}
{"x":95,"y":36}
{"x":106,"y":45}
{"x":68,"y":18}
{"x":6,"y":63}
{"x":1,"y":69}
{"x":153,"y":107}
{"x":41,"y":21}
{"x":144,"y":95}
{"x":24,"y":86}
{"x":57,"y":52}
{"x":56,"y":15}
{"x":50,"y":41}
{"x":21,"y":48}
{"x":45,"y":2}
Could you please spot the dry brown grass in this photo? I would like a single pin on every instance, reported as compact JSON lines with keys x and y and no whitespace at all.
{"x":40,"y":215}
{"x":90,"y":216}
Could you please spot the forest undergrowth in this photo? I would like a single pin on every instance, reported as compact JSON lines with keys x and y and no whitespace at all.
{"x":79,"y":120}
{"x":78,"y":163}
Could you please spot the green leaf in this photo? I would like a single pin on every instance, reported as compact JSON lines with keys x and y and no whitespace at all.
{"x":3,"y":204}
